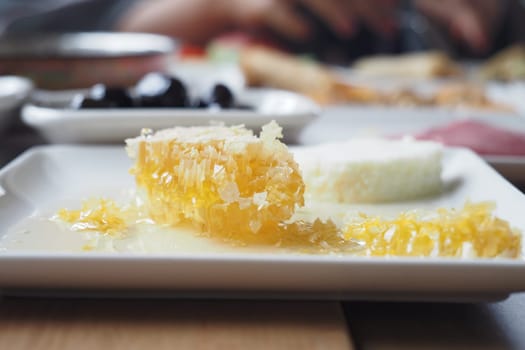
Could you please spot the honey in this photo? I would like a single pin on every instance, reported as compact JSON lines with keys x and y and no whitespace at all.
{"x":101,"y":215}
{"x":472,"y":231}
{"x":226,"y":181}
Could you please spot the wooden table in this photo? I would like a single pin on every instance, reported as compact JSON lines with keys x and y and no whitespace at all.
{"x":170,"y":324}
{"x":57,"y":323}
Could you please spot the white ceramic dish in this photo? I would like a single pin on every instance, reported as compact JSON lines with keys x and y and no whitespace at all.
{"x":44,"y":178}
{"x":13,"y":92}
{"x":509,"y":93}
{"x":60,"y":124}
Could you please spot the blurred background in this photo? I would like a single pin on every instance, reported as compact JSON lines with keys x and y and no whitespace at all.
{"x":99,"y":71}
{"x":376,"y":67}
{"x":336,"y":31}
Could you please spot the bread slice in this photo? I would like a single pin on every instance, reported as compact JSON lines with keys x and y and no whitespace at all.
{"x":272,"y":68}
{"x":415,"y":65}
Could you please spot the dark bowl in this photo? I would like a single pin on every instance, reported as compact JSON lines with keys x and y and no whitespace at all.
{"x":78,"y":60}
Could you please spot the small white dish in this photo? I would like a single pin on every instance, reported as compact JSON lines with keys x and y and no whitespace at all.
{"x":13,"y":92}
{"x":47,"y":178}
{"x":61,"y":124}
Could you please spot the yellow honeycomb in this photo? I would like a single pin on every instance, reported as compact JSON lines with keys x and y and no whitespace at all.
{"x":225,"y":180}
{"x":472,"y":231}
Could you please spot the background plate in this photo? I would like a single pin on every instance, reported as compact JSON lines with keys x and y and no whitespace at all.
{"x":60,"y":124}
{"x":13,"y":93}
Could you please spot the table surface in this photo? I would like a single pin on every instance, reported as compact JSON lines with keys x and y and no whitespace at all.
{"x":55,"y":323}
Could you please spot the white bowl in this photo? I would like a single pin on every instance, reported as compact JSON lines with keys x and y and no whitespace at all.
{"x":13,"y":92}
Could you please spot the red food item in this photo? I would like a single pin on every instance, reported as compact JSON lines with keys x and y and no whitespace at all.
{"x":480,"y":137}
{"x":192,"y":51}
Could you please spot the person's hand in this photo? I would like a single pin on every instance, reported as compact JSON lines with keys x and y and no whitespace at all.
{"x":342,"y":16}
{"x":200,"y":20}
{"x":472,"y":22}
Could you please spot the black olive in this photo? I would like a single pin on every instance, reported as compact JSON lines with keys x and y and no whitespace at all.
{"x":83,"y":102}
{"x":161,"y":90}
{"x":221,"y":95}
{"x":116,"y":96}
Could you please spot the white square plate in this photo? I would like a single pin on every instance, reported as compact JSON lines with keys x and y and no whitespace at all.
{"x":60,"y":124}
{"x":45,"y":178}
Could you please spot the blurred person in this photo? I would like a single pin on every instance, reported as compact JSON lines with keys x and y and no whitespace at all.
{"x":285,"y":17}
{"x":340,"y":30}
{"x":333,"y":30}
{"x":196,"y":20}
{"x":484,"y":26}
{"x":343,"y":29}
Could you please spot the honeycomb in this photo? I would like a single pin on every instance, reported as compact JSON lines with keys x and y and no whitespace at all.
{"x":225,"y":180}
{"x":472,"y":231}
{"x":102,"y":215}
